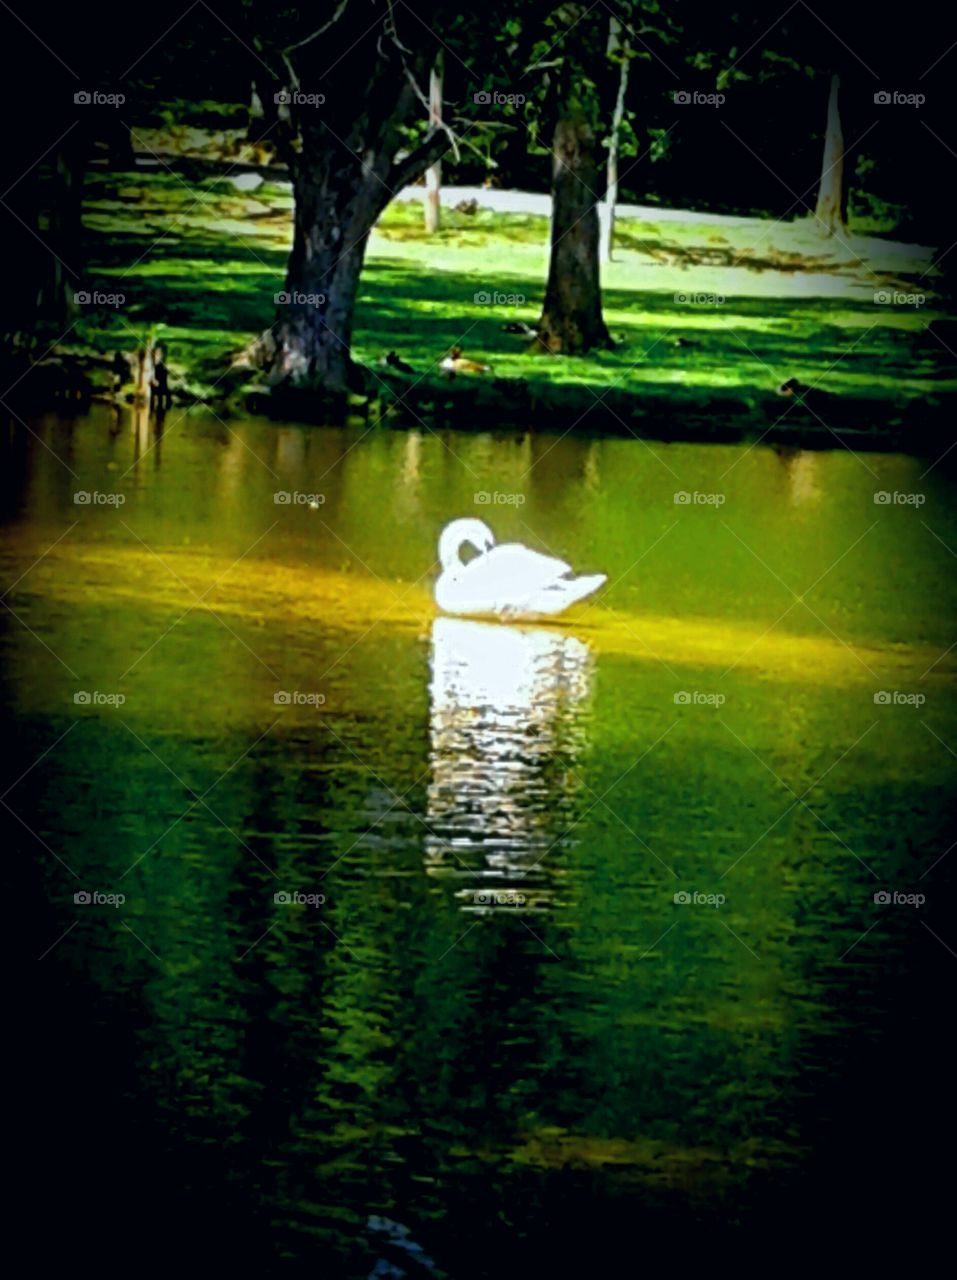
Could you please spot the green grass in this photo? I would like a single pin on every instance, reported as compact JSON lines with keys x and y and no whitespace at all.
{"x":203,"y":261}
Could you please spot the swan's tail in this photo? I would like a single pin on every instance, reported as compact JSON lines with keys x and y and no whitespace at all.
{"x":575,"y":589}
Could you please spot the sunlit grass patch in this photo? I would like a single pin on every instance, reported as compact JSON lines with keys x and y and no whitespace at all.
{"x":736,"y":305}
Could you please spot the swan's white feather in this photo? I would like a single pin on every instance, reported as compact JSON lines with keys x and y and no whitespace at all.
{"x":510,"y":581}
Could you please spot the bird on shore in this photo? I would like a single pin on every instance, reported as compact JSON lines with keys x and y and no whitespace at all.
{"x":794,"y":388}
{"x":811,"y":398}
{"x":508,"y":581}
{"x":455,"y":363}
{"x":393,"y":361}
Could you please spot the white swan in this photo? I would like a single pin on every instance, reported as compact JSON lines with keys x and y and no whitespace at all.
{"x":509,"y":581}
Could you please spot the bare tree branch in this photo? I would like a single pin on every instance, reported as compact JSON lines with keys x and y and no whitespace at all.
{"x":433,"y":147}
{"x":322,"y":30}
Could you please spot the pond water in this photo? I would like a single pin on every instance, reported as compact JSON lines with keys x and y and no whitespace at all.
{"x":424,"y":943}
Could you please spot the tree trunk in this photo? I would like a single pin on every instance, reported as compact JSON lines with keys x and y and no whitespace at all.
{"x":571,"y":320}
{"x":831,"y":209}
{"x":335,"y":208}
{"x":57,"y":219}
{"x":433,"y":175}
{"x":617,"y":48}
{"x":340,"y":190}
{"x":345,"y":158}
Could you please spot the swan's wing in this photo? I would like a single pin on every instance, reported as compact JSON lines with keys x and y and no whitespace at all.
{"x":529,"y":570}
{"x":508,"y":577}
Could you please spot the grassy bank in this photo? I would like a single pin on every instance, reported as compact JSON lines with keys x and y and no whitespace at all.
{"x":710,"y":319}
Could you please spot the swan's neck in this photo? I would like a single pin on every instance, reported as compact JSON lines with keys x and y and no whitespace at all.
{"x":463,"y":533}
{"x":454,"y":560}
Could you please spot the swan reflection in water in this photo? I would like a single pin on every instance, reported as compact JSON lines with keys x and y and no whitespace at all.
{"x":508,"y":730}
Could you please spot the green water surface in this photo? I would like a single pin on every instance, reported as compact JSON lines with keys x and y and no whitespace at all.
{"x":597,"y":921}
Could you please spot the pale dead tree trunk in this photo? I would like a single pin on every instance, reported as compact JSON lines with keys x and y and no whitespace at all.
{"x":831,"y":209}
{"x":433,"y":175}
{"x":143,"y":375}
{"x":617,"y":48}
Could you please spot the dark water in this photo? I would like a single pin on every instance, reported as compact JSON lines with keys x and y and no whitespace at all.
{"x":588,"y":954}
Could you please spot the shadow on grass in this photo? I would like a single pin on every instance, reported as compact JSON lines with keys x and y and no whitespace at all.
{"x":204,"y":263}
{"x":745,"y":342}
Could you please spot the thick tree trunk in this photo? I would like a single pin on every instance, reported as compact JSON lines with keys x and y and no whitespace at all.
{"x":336,"y":205}
{"x":64,"y":202}
{"x":338,"y":197}
{"x":571,"y":320}
{"x":433,"y":175}
{"x":45,"y":238}
{"x":831,"y":209}
{"x":616,"y":48}
{"x":343,"y":148}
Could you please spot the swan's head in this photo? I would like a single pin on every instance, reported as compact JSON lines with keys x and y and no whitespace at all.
{"x":475,"y":532}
